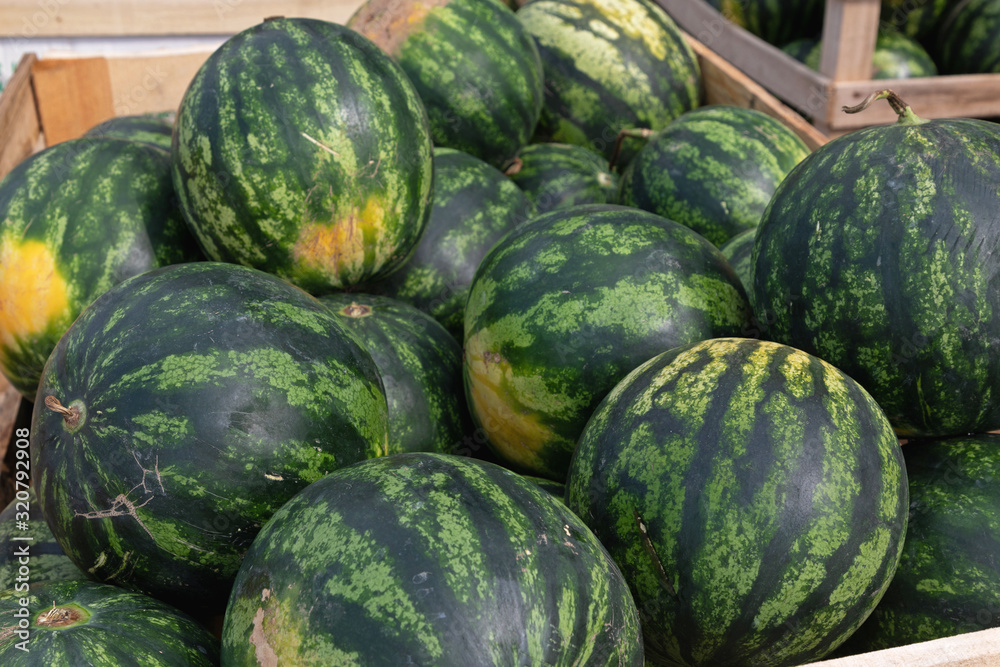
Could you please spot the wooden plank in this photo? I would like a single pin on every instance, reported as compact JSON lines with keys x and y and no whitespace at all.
{"x":725,"y":84}
{"x":60,"y":18}
{"x":850,"y":28}
{"x":20,"y":130}
{"x":153,"y":83}
{"x":973,"y":649}
{"x":73,"y":95}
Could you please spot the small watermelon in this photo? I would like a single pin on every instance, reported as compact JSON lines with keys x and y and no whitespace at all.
{"x":565,"y":306}
{"x":29,"y":553}
{"x":302,"y":150}
{"x":713,"y":169}
{"x":475,"y":67}
{"x":428,"y":559}
{"x":152,"y":129}
{"x":557,"y":175}
{"x":754,"y":497}
{"x":180,"y":410}
{"x":421,"y":368}
{"x":83,"y":622}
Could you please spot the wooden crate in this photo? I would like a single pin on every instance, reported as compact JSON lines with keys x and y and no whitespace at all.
{"x":850,"y":28}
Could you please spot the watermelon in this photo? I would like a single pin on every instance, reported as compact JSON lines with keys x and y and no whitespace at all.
{"x":777,"y":22}
{"x":609,"y":65}
{"x":180,"y":410}
{"x":713,"y":169}
{"x":25,"y":539}
{"x":475,"y":67}
{"x":153,"y":129}
{"x":895,"y":280}
{"x":754,"y":497}
{"x":966,"y":40}
{"x":948,"y":579}
{"x":565,"y":306}
{"x":474,"y":205}
{"x":896,"y":56}
{"x":465,"y":563}
{"x":88,"y":623}
{"x":921,"y":21}
{"x":421,"y":368}
{"x":555,"y":175}
{"x":302,"y":150}
{"x":75,"y":219}
{"x":738,"y":251}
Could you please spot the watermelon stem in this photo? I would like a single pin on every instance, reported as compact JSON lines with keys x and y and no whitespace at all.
{"x":514,"y":166}
{"x":71,"y":415}
{"x":635,"y":133}
{"x":902,"y":109}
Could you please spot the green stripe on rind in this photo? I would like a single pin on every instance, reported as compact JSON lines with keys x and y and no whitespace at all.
{"x":563,"y":307}
{"x":104,"y":210}
{"x":753,"y":496}
{"x":474,"y":206}
{"x":894,"y":281}
{"x":213,"y":392}
{"x":556,"y":175}
{"x":465,"y":563}
{"x":303,"y":150}
{"x":738,"y":251}
{"x":421,"y":367}
{"x":147,"y":128}
{"x":124,"y":628}
{"x":948,"y":579}
{"x":609,"y":65}
{"x":714,"y":169}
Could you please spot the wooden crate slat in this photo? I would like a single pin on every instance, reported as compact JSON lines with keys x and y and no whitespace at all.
{"x":848,"y":40}
{"x":73,"y":95}
{"x":151,"y":84}
{"x":973,"y":649}
{"x":20,"y":131}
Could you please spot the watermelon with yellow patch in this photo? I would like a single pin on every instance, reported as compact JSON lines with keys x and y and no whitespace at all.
{"x":75,"y":219}
{"x":303,"y":150}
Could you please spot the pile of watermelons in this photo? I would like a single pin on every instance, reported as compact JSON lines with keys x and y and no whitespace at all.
{"x":464,"y":334}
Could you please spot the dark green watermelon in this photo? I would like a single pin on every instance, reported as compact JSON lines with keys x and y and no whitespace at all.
{"x":462,"y":563}
{"x":565,"y":306}
{"x":777,"y":22}
{"x":966,"y":41}
{"x":738,"y":251}
{"x":896,"y":56}
{"x":921,"y":21}
{"x":555,"y":175}
{"x":948,"y":579}
{"x":474,"y":205}
{"x":895,"y":281}
{"x":75,"y":219}
{"x":181,"y":410}
{"x":609,"y":65}
{"x":713,"y":169}
{"x":88,"y":623}
{"x":302,"y":150}
{"x":151,"y":129}
{"x":475,"y":67}
{"x":421,"y":368}
{"x":753,"y":496}
{"x":25,"y":540}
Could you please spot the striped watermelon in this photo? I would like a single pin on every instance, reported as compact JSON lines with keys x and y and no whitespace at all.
{"x":966,"y":41}
{"x":153,"y":129}
{"x":474,"y":205}
{"x":948,"y":579}
{"x":921,"y":21}
{"x":565,"y":306}
{"x":555,"y":175}
{"x":896,"y":56}
{"x":754,"y":497}
{"x":25,"y":535}
{"x":738,"y":251}
{"x":777,"y":22}
{"x":421,"y":368}
{"x":473,"y":64}
{"x":464,"y":563}
{"x":181,"y":410}
{"x":75,"y":219}
{"x":713,"y":169}
{"x":609,"y":65}
{"x":88,"y":623}
{"x":895,"y":278}
{"x":302,"y":150}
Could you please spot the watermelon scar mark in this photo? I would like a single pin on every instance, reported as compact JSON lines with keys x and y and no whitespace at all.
{"x":648,"y":545}
{"x":122,"y":506}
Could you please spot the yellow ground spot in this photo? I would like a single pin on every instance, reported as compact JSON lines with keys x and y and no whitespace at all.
{"x":33,"y":293}
{"x":337,"y":249}
{"x":390,"y":28}
{"x":517,"y":434}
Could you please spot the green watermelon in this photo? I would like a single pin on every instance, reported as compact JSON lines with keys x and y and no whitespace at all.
{"x":302,"y":150}
{"x":25,"y":540}
{"x":754,"y":497}
{"x":896,"y":56}
{"x":966,"y":41}
{"x":474,"y":205}
{"x":421,"y":368}
{"x":555,"y":175}
{"x":463,"y":563}
{"x":948,"y":579}
{"x":88,"y":623}
{"x":777,"y":22}
{"x":475,"y":67}
{"x":713,"y":169}
{"x":609,"y":65}
{"x":565,"y":306}
{"x":152,"y":129}
{"x":921,"y":21}
{"x":181,"y":410}
{"x":738,"y":251}
{"x":75,"y":219}
{"x":894,"y":279}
